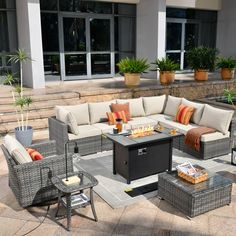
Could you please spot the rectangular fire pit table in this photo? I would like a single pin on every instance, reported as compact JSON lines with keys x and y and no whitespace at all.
{"x":194,"y":199}
{"x":135,"y":158}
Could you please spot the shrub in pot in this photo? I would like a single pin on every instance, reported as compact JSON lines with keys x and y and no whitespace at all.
{"x":132,"y":69}
{"x":167,"y":68}
{"x":24,"y":132}
{"x":227,"y":66}
{"x":201,"y":60}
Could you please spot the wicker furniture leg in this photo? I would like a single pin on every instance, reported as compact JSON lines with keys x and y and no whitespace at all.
{"x":68,"y":211}
{"x":92,"y":204}
{"x":58,"y":203}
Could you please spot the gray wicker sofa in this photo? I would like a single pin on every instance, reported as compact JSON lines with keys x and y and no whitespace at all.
{"x":30,"y":182}
{"x":144,"y":111}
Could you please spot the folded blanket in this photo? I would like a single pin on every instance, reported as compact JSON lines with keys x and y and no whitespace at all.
{"x":193,"y":136}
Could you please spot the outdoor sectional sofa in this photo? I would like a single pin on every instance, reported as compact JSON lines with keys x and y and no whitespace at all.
{"x":89,"y":124}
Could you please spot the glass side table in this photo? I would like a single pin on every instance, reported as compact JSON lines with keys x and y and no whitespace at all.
{"x":72,"y":196}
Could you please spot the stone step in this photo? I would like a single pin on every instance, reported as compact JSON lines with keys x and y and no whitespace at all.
{"x":38,"y":124}
{"x":44,"y":102}
{"x":33,"y":115}
{"x":36,"y":98}
{"x":36,"y":105}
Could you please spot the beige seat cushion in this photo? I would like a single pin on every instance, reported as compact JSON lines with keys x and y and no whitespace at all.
{"x":141,"y":121}
{"x":172,"y":105}
{"x":214,"y":136}
{"x":104,"y":127}
{"x":154,"y":105}
{"x":98,"y":110}
{"x":135,"y":106}
{"x":167,"y":121}
{"x":80,"y":113}
{"x":16,"y":150}
{"x":85,"y":131}
{"x":197,"y":115}
{"x":216,"y":118}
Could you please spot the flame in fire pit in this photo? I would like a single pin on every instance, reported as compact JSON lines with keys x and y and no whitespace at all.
{"x":142,"y":131}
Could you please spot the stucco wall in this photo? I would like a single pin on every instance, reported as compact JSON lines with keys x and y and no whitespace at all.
{"x":226,"y":30}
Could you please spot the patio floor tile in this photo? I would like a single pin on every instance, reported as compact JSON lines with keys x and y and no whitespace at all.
{"x":136,"y":221}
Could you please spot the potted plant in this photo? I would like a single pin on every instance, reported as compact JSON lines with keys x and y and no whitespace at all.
{"x":167,"y":68}
{"x":201,"y":60}
{"x":227,"y":66}
{"x":132,"y":69}
{"x":24,"y":132}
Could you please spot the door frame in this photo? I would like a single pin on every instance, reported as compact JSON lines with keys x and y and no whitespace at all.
{"x":183,"y":23}
{"x":88,"y":51}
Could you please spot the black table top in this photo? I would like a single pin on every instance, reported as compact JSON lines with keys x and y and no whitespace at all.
{"x":214,"y":181}
{"x":126,"y":140}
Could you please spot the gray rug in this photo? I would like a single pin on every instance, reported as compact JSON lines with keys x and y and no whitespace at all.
{"x":111,"y":187}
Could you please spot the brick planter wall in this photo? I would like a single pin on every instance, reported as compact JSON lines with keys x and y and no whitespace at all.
{"x":190,"y":90}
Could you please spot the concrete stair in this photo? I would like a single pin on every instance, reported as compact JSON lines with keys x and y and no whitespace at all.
{"x":42,"y":107}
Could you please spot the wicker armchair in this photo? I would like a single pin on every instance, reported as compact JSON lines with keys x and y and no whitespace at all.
{"x":30,"y":182}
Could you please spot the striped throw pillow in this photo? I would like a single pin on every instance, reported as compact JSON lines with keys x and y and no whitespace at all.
{"x":184,"y":114}
{"x":112,"y":116}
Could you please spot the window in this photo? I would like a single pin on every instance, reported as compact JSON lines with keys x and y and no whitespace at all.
{"x":49,"y":24}
{"x":85,"y":39}
{"x":186,"y":29}
{"x":49,"y":5}
{"x":85,"y":6}
{"x":8,"y":34}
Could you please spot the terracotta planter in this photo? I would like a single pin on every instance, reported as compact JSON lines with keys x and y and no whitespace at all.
{"x":167,"y":77}
{"x":132,"y":79}
{"x":227,"y":73}
{"x":201,"y":75}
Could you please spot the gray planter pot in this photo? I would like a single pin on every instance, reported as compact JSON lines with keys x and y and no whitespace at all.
{"x":24,"y":136}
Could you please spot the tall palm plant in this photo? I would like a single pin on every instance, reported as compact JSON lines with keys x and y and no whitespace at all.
{"x":21,"y":57}
{"x":21,"y":102}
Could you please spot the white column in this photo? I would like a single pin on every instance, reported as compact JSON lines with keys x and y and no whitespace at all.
{"x":30,"y":39}
{"x":151,"y":31}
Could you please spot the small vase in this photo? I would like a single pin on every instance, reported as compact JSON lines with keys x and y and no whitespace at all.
{"x":24,"y":136}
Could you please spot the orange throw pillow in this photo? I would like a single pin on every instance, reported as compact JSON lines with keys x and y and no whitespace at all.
{"x":121,"y":107}
{"x":35,"y":155}
{"x":112,"y":116}
{"x":184,"y":114}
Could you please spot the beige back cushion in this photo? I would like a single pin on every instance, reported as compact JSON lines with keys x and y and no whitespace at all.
{"x":154,"y":105}
{"x":216,"y":118}
{"x":98,"y":110}
{"x":80,"y":113}
{"x":135,"y":106}
{"x":66,"y":116}
{"x":16,"y":150}
{"x":172,"y":105}
{"x":197,"y":115}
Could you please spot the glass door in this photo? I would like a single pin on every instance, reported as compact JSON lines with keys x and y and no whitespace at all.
{"x":75,"y":48}
{"x":101,"y":44}
{"x":86,"y":47}
{"x":181,"y":35}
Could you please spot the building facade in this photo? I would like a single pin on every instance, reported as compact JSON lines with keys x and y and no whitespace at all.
{"x":77,"y":39}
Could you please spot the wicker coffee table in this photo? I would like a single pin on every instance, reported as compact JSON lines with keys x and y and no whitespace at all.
{"x":194,"y":199}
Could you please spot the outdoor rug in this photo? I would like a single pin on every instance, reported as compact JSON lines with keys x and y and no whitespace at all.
{"x":111,"y":188}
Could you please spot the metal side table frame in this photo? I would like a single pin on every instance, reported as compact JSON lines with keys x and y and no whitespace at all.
{"x":87,"y":182}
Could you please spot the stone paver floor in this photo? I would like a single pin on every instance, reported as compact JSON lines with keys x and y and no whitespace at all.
{"x":148,"y":217}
